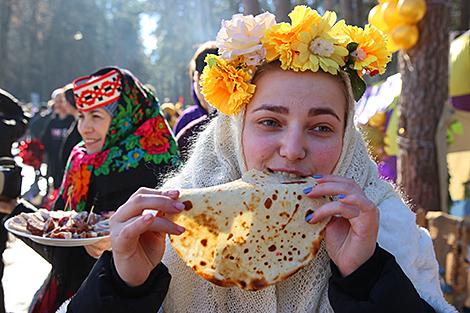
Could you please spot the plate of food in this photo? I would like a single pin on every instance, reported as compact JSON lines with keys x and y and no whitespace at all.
{"x":60,"y":228}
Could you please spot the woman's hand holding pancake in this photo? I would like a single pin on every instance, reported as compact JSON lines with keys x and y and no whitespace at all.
{"x":138,"y":241}
{"x":351,"y":235}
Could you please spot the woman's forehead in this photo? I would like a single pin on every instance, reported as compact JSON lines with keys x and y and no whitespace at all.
{"x":292,"y":90}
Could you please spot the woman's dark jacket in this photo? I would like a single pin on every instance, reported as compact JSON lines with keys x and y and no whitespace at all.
{"x":378,"y":286}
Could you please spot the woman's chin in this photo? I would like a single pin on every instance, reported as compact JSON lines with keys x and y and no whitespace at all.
{"x":91,"y":149}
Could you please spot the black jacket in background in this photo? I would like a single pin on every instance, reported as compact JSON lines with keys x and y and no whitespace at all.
{"x":53,"y":138}
{"x":72,"y":138}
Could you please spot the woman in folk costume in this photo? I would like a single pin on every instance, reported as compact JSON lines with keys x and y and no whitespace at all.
{"x":286,"y":94}
{"x":126,"y":145}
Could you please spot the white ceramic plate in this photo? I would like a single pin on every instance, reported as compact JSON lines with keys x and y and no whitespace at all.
{"x":56,"y":242}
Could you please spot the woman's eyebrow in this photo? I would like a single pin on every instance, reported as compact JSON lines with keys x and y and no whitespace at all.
{"x":284,"y":110}
{"x":320,"y":111}
{"x":273,"y":108}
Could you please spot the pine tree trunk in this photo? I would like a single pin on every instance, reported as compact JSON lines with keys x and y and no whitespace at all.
{"x":5,"y":14}
{"x":424,"y":70}
{"x":347,"y":10}
{"x":283,"y":8}
{"x":359,"y":12}
{"x":329,"y":5}
{"x":464,"y":15}
{"x":251,"y":7}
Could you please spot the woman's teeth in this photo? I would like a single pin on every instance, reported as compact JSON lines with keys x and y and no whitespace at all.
{"x":286,"y":174}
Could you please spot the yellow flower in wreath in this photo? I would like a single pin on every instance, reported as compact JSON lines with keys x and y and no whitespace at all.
{"x":279,"y":38}
{"x":371,"y":53}
{"x":226,"y":87}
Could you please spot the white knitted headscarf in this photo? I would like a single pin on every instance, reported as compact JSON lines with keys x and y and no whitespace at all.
{"x":218,"y":158}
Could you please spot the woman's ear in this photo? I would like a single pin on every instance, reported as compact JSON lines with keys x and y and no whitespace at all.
{"x":196,"y":76}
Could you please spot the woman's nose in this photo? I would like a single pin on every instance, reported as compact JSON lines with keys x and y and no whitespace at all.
{"x":293,"y":145}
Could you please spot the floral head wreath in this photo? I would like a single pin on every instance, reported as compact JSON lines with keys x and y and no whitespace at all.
{"x":310,"y":42}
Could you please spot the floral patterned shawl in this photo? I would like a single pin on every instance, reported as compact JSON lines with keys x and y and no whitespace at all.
{"x":137,"y":134}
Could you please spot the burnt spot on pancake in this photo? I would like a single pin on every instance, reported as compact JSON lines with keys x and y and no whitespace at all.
{"x":258,"y":284}
{"x":188,"y":205}
{"x":268,"y":203}
{"x":272,"y":248}
{"x":203,"y":263}
{"x":229,"y":236}
{"x":204,"y":242}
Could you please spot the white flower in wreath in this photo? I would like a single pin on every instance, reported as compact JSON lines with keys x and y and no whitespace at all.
{"x":241,"y":37}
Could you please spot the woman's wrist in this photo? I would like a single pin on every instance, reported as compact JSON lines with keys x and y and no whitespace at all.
{"x":126,"y":270}
{"x":347,"y":268}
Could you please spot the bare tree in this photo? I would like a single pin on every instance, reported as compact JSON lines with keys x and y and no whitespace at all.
{"x":424,"y":70}
{"x":251,"y":7}
{"x":283,"y":8}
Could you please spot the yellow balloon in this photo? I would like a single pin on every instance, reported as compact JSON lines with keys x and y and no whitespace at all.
{"x":412,"y":11}
{"x":378,"y":119}
{"x":376,"y":18}
{"x":405,"y":36}
{"x":391,"y":15}
{"x":391,"y":45}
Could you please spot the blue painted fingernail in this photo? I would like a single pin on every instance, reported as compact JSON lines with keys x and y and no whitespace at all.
{"x":317,"y":176}
{"x":309,"y":217}
{"x":341,"y":196}
{"x":308,"y":190}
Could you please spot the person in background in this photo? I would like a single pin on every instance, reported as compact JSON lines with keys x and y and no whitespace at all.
{"x":126,"y":145}
{"x":193,"y":120}
{"x":13,"y":125}
{"x":72,"y":136}
{"x":54,"y":135}
{"x":171,"y":112}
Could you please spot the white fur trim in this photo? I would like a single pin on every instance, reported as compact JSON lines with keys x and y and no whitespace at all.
{"x":412,"y":247}
{"x":63,"y":307}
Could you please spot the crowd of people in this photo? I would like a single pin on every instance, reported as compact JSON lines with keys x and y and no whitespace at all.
{"x":284,"y":103}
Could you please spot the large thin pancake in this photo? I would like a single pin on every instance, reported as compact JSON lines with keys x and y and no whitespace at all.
{"x":249,"y":233}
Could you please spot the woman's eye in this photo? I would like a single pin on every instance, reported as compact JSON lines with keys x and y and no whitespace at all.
{"x":96,"y":116}
{"x":322,"y":129}
{"x":269,"y":123}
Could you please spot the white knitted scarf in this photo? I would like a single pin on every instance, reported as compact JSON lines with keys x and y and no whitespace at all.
{"x":218,"y":158}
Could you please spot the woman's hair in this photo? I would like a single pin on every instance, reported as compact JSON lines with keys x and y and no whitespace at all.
{"x":197,"y":62}
{"x":69,"y":95}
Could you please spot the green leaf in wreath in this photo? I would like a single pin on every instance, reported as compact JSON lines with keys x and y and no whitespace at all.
{"x":352,"y":46}
{"x":358,"y":85}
